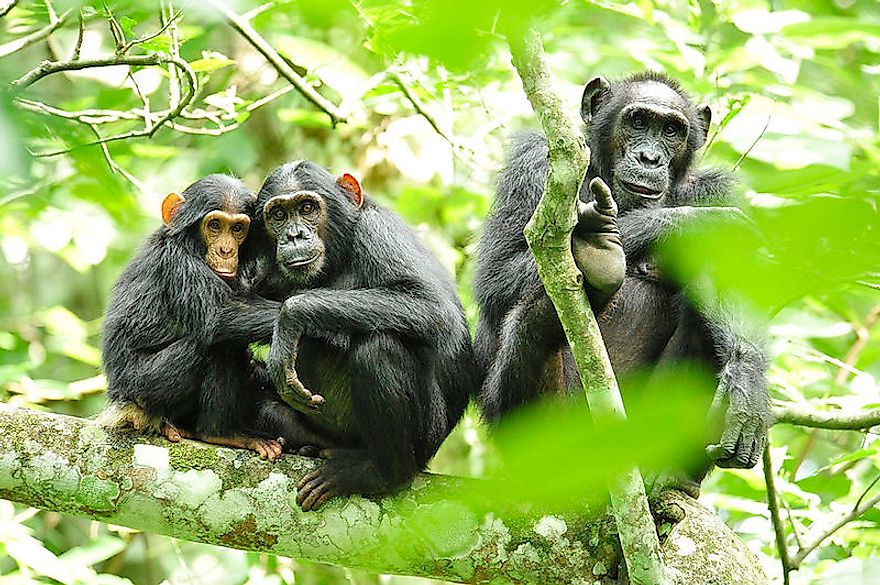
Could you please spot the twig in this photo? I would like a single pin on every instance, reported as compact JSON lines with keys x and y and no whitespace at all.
{"x":244,"y":28}
{"x":775,"y":519}
{"x":863,"y":335}
{"x":47,"y":68}
{"x":789,"y":413}
{"x":857,"y":511}
{"x":79,"y":37}
{"x":755,"y":143}
{"x":137,"y":41}
{"x":18,"y":44}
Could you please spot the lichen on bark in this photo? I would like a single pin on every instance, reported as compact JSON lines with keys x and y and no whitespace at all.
{"x":442,"y":527}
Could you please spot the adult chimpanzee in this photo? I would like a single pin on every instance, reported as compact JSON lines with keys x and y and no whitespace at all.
{"x":371,"y":322}
{"x":643,"y":133}
{"x":179,"y":323}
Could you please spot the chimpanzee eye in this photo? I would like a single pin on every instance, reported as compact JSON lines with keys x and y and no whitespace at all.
{"x":279,"y":214}
{"x":237,"y":228}
{"x":670,"y":130}
{"x":639,"y":122}
{"x":214,"y":224}
{"x":307,"y":207}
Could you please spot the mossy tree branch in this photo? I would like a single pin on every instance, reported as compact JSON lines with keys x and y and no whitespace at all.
{"x":549,"y":236}
{"x":442,"y":527}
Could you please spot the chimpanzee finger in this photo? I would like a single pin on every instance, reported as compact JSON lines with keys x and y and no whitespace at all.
{"x":327,"y":453}
{"x":317,"y":399}
{"x":274,"y":449}
{"x":307,"y":478}
{"x":304,"y":492}
{"x":604,"y":201}
{"x":317,"y":496}
{"x":323,"y":499}
{"x":728,"y":442}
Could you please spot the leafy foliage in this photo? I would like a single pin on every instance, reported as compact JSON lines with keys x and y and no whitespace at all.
{"x":428,"y":97}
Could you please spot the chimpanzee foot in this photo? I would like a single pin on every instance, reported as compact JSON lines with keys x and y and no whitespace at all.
{"x":296,"y":393}
{"x":266,"y":448}
{"x":173,"y":433}
{"x":345,"y":472}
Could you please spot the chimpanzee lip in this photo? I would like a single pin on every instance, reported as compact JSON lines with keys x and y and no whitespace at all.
{"x":226,"y":274}
{"x":303,"y":262}
{"x":642,"y":191}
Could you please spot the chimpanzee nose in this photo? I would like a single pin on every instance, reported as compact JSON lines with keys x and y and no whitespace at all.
{"x":226,"y":251}
{"x":649,"y":159}
{"x":296,"y":233}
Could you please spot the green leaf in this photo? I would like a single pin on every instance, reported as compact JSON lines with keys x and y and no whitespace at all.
{"x":211,"y":61}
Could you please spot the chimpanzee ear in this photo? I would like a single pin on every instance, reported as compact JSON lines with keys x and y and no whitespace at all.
{"x":705,"y":114}
{"x":594,"y":95}
{"x":353,"y":188}
{"x":169,"y":207}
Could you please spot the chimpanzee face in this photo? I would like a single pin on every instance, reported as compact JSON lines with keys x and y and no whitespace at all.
{"x":651,"y":136}
{"x":297,"y":224}
{"x":644,"y":132}
{"x":223,"y":233}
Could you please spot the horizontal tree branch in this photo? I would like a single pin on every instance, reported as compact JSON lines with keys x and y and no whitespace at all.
{"x":228,"y":497}
{"x":789,"y":413}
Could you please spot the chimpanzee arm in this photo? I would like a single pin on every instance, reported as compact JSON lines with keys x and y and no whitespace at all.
{"x":741,"y":397}
{"x":247,"y":319}
{"x":642,"y":229}
{"x":409,"y":313}
{"x":530,"y":334}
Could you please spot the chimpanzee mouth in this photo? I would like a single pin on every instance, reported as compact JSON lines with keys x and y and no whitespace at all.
{"x":641,"y":191}
{"x":303,"y":262}
{"x":226,"y":274}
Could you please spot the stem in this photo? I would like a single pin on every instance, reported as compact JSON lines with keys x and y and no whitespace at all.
{"x":773,"y":505}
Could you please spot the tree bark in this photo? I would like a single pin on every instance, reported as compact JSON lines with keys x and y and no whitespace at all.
{"x":229,"y":497}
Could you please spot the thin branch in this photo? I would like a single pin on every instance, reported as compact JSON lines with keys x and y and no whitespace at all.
{"x":137,"y":41}
{"x":789,"y":413}
{"x":863,"y":335}
{"x":775,"y":519}
{"x":857,"y":511}
{"x":754,"y":144}
{"x":47,"y":68}
{"x":244,"y":28}
{"x":18,"y":44}
{"x":79,"y":37}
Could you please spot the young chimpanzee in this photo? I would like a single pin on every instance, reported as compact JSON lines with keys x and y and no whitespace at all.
{"x":178,"y":325}
{"x":371,"y":323}
{"x":643,"y":133}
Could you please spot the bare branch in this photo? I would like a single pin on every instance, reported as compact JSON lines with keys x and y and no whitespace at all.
{"x":18,"y":44}
{"x":789,"y":413}
{"x":79,"y":37}
{"x":244,"y":28}
{"x":857,"y":511}
{"x":775,"y":519}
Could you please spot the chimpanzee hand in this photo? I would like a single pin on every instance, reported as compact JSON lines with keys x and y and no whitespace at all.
{"x":596,"y":244}
{"x":746,"y":420}
{"x":280,"y":363}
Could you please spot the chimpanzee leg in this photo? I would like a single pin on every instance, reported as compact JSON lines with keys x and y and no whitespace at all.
{"x":391,"y":410}
{"x":530,"y":336}
{"x":223,"y":401}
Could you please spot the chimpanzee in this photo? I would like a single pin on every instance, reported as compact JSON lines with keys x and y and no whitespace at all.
{"x":371,"y":323}
{"x":643,"y":132}
{"x":178,"y":325}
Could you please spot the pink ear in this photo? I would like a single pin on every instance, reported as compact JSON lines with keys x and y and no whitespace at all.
{"x":351,"y":185}
{"x":169,"y":207}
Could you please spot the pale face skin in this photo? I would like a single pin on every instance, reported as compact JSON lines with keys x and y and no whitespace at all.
{"x":223,"y":233}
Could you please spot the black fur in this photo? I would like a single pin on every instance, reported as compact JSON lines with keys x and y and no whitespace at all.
{"x":381,"y":336}
{"x":176,"y":335}
{"x":650,"y":320}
